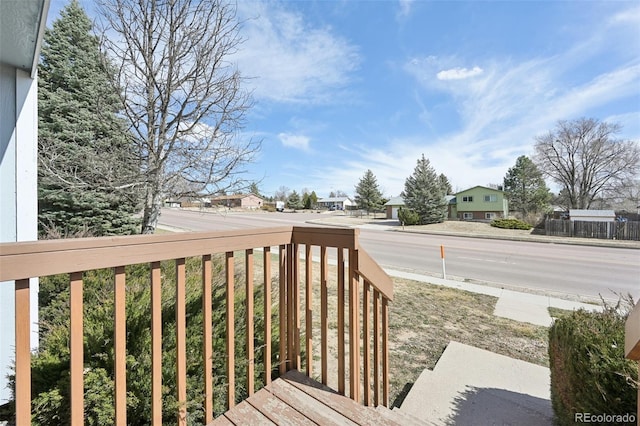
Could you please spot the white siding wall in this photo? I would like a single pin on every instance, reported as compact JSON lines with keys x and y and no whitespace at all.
{"x":18,"y":192}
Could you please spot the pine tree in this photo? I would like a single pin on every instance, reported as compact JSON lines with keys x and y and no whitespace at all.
{"x":446,"y":185}
{"x":525,"y":187}
{"x":294,"y":201}
{"x":368,"y":194}
{"x":86,"y":170}
{"x":423,"y":193}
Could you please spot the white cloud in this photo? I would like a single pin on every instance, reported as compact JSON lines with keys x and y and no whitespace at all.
{"x":294,"y":141}
{"x":404,"y":9}
{"x":629,"y":16}
{"x":289,"y":60}
{"x":459,"y":73}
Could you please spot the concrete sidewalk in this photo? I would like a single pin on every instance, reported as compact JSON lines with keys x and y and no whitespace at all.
{"x":516,"y":305}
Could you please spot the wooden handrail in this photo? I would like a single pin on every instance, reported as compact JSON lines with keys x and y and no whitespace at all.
{"x":41,"y":258}
{"x":359,"y":281}
{"x":632,"y":334}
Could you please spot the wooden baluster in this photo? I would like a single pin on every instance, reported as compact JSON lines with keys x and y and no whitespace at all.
{"x":290,"y":308}
{"x":376,"y":348}
{"x":120,"y":347}
{"x":324,"y":323}
{"x":267,"y":315}
{"x":283,"y":313}
{"x":366,"y":344}
{"x":354,"y":326}
{"x":249,"y":325}
{"x":340,"y":304}
{"x":385,"y":352}
{"x":296,"y":306}
{"x":231,"y":394}
{"x":207,"y":338}
{"x":181,"y":341}
{"x":23,"y":352}
{"x":156,"y":344}
{"x":309,"y":308}
{"x":77,"y":343}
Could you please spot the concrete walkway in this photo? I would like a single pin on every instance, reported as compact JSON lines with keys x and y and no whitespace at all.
{"x":471,"y":386}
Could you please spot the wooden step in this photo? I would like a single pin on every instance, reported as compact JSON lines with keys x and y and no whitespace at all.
{"x":295,"y":399}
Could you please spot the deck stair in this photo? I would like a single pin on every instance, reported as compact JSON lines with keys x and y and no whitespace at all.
{"x":295,"y":399}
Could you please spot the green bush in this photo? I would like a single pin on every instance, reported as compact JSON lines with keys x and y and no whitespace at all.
{"x":589,"y":373}
{"x":408,"y":216}
{"x":510,"y":224}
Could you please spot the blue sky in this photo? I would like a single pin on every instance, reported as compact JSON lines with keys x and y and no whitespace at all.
{"x":345,"y":86}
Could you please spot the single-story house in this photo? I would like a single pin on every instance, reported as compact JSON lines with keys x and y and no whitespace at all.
{"x":244,"y":201}
{"x":479,"y":203}
{"x":338,"y":203}
{"x":592,"y":215}
{"x":392,"y":206}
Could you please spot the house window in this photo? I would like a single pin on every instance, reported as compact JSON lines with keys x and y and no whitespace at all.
{"x":467,"y":216}
{"x":467,"y":199}
{"x":489,"y":215}
{"x":490,"y":198}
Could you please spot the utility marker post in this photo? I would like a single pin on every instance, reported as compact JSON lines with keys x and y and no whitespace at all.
{"x":444,"y":268}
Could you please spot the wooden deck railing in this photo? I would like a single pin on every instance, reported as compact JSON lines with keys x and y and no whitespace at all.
{"x":366,"y":285}
{"x":632,"y":344}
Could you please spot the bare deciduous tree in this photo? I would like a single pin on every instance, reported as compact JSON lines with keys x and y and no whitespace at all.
{"x":586,"y":160}
{"x":182,"y":95}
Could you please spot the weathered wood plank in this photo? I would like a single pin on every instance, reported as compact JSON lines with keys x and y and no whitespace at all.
{"x":311,"y":407}
{"x":245,"y":414}
{"x":220,"y":421}
{"x":348,"y":408}
{"x":276,"y":410}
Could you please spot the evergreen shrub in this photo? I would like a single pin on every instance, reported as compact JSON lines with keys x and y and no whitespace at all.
{"x":510,"y":224}
{"x":408,"y":216}
{"x":589,"y":373}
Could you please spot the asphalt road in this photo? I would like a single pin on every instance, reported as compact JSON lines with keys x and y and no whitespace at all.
{"x":554,"y":269}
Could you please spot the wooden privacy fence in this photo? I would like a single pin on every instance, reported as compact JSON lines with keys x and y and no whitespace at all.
{"x":614,"y":230}
{"x":362,"y":337}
